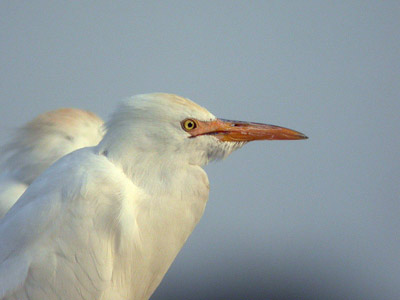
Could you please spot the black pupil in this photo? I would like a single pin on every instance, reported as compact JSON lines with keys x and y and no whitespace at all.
{"x":190,"y":124}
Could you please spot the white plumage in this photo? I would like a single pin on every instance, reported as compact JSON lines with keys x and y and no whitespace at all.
{"x":38,"y":144}
{"x":106,"y":222}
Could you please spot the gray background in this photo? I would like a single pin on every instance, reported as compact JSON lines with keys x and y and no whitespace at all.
{"x":313,"y":219}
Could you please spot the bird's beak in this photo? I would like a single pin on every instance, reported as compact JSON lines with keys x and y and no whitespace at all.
{"x":238,"y":131}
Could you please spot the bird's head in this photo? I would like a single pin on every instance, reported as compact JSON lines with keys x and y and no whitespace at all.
{"x":45,"y":139}
{"x":180,"y":130}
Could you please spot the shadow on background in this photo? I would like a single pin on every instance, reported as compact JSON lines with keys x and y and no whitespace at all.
{"x":255,"y":280}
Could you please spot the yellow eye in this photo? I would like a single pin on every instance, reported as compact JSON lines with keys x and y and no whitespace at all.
{"x":189,"y":124}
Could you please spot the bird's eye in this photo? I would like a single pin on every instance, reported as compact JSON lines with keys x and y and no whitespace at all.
{"x":189,"y":124}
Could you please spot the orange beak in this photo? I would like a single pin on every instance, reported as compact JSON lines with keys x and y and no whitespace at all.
{"x":238,"y":131}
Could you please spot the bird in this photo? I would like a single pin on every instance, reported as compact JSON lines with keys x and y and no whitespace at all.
{"x":39,"y":143}
{"x":106,"y":222}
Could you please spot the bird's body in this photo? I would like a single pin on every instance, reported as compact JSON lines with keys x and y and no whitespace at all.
{"x":41,"y":142}
{"x":103,"y":235}
{"x":107,"y":222}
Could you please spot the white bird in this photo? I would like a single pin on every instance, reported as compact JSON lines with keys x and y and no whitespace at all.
{"x":38,"y":144}
{"x":106,"y":222}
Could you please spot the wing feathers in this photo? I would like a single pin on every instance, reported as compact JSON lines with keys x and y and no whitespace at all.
{"x":13,"y":273}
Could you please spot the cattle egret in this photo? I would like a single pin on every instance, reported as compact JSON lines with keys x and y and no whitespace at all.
{"x":106,"y":222}
{"x":41,"y":142}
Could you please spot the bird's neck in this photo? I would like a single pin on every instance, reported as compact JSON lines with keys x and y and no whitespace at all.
{"x":175,"y":195}
{"x":155,"y":170}
{"x":149,"y":171}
